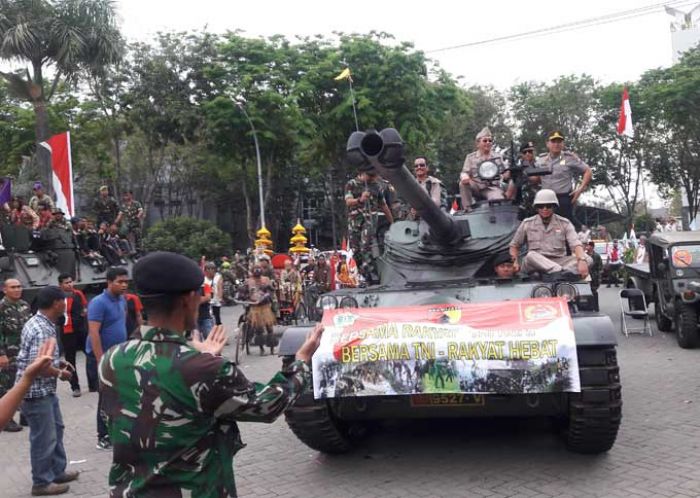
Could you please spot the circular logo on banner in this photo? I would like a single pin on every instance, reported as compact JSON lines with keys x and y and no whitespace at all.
{"x":448,"y":314}
{"x":536,"y":312}
{"x":682,"y":258}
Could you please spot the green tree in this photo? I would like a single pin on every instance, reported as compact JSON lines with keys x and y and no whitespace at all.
{"x":670,"y":97}
{"x":191,"y":237}
{"x":68,"y":36}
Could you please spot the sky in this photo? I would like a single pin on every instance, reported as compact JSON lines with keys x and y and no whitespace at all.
{"x":619,"y":51}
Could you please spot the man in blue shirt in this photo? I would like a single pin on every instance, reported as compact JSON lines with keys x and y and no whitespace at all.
{"x":40,"y":406}
{"x":106,"y":328}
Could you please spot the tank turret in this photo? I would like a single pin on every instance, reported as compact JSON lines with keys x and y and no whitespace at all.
{"x":439,"y":246}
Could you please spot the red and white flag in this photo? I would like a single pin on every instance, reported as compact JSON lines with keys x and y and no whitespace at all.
{"x":624,"y":124}
{"x":62,"y":171}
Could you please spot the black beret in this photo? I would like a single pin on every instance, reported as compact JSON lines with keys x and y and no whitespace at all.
{"x":527,"y":146}
{"x":167,"y":273}
{"x":502,"y":257}
{"x":51,"y":293}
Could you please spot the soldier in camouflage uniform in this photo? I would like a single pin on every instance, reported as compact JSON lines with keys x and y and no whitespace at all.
{"x":14,"y":313}
{"x":105,"y":207}
{"x":172,"y":407}
{"x":59,"y":221}
{"x":131,"y":212}
{"x":364,"y":198}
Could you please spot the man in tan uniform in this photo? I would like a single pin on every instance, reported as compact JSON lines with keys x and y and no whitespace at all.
{"x":470,"y":186}
{"x":432,"y":185}
{"x":547,"y":235}
{"x":565,"y":166}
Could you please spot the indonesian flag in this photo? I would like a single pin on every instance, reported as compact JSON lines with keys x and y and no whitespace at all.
{"x":455,"y":207}
{"x":62,"y":171}
{"x":624,"y":124}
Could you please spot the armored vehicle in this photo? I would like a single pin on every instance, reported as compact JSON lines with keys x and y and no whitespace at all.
{"x":37,"y":259}
{"x":445,"y":260}
{"x":671,"y":280}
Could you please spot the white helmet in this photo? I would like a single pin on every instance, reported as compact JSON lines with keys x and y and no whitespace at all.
{"x":545,"y":196}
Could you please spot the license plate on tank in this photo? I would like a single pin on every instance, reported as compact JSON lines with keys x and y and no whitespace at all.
{"x":449,"y":399}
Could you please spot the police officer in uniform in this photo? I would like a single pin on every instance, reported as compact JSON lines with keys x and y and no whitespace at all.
{"x":364,"y":198}
{"x":172,"y":406}
{"x":565,"y":166}
{"x":547,"y":236}
{"x":470,"y":186}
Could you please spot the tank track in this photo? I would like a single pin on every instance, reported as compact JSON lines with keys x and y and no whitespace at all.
{"x":596,"y":412}
{"x":313,"y":424}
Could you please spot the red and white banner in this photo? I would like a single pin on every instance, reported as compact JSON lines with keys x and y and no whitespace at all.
{"x":624,"y":123}
{"x":62,"y":171}
{"x":523,"y":346}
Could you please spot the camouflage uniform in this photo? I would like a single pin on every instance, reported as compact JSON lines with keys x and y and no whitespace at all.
{"x":130,"y":213}
{"x":172,"y":414}
{"x":13,"y":316}
{"x":62,"y":224}
{"x":105,"y":209}
{"x":362,"y":225}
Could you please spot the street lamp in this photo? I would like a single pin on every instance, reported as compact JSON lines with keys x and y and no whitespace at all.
{"x":241,"y":106}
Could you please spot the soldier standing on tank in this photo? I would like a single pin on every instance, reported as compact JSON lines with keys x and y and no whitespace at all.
{"x":364,"y":198}
{"x":14,"y":313}
{"x":131,"y":213}
{"x":59,"y":221}
{"x":434,"y":187}
{"x":322,"y":275}
{"x":105,"y":207}
{"x":564,"y":166}
{"x":469,"y":184}
{"x":530,"y":185}
{"x":547,"y":236}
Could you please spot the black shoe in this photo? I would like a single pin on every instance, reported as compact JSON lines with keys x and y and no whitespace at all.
{"x":93,"y":389}
{"x":12,"y":426}
{"x":104,"y":443}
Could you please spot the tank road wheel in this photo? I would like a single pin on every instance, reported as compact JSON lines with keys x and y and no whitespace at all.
{"x":687,"y":327}
{"x":595,"y":412}
{"x":313,"y":424}
{"x":662,"y":323}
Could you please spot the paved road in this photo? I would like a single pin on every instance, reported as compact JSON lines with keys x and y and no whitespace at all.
{"x":657,"y":453}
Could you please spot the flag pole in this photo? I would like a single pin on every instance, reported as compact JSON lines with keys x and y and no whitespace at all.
{"x":354,"y":109}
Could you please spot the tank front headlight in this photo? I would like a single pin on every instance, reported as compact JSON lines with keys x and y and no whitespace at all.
{"x":568,"y":291}
{"x":349,"y":302}
{"x":542,"y":291}
{"x":488,"y":170}
{"x":326,"y":303}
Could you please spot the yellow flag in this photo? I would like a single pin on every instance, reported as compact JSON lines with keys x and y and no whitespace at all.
{"x":345,"y":74}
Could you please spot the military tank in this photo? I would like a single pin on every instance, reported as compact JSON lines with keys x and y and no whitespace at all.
{"x":37,"y":261}
{"x":447,"y":260}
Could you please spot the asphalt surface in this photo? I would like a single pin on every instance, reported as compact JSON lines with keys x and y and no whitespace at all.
{"x":657,"y":453}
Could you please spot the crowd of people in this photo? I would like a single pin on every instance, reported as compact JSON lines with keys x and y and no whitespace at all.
{"x":110,"y":234}
{"x":136,"y":374}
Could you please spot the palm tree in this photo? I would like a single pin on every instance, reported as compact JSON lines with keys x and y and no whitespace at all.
{"x":67,"y":36}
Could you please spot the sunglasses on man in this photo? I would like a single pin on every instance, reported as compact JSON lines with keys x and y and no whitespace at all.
{"x":421,"y":165}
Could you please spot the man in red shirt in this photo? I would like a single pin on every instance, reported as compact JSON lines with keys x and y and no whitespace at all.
{"x":73,"y":330}
{"x":134,"y":318}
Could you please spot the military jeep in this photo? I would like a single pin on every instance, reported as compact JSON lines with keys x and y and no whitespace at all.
{"x":671,"y":280}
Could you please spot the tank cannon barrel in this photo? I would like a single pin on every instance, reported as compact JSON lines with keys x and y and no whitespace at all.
{"x":384,"y":151}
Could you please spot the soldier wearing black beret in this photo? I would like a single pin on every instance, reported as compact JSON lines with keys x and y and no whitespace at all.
{"x":172,"y":406}
{"x":503,"y":265}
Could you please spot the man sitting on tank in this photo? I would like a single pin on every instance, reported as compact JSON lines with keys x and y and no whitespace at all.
{"x":547,"y":235}
{"x":471,"y":185}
